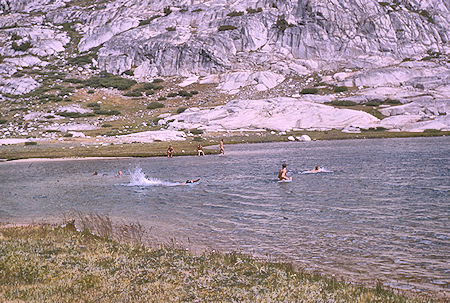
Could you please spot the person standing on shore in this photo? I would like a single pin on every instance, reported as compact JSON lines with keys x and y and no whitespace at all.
{"x":170,"y":152}
{"x":200,"y":151}
{"x":222,"y":151}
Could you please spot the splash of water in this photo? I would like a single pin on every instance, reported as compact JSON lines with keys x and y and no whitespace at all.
{"x":138,"y":178}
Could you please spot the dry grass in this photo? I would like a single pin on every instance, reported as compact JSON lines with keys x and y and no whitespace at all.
{"x":62,"y":264}
{"x":74,"y":147}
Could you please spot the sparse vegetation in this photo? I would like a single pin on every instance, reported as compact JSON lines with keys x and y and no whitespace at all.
{"x":282,"y":24}
{"x":254,"y":11}
{"x":171,"y":29}
{"x":21,"y":47}
{"x":111,"y":112}
{"x":340,"y":89}
{"x":155,"y":105}
{"x":109,"y":80}
{"x":235,"y":14}
{"x":28,"y":143}
{"x":310,"y":91}
{"x":167,"y":11}
{"x":342,"y":103}
{"x":226,"y":28}
{"x":181,"y":109}
{"x":149,"y":20}
{"x":75,"y":114}
{"x":196,"y":131}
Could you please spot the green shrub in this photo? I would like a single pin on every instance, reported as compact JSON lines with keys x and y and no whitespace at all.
{"x":235,"y":14}
{"x":18,"y":74}
{"x":73,"y":80}
{"x":155,"y":105}
{"x":90,"y":91}
{"x":156,"y":120}
{"x":167,"y":11}
{"x":309,"y":91}
{"x":431,"y":131}
{"x":49,"y":117}
{"x":196,"y":131}
{"x":133,"y":93}
{"x":105,"y":112}
{"x":158,"y":80}
{"x":107,"y":125}
{"x":226,"y":28}
{"x":149,"y":20}
{"x":68,"y":135}
{"x":15,"y":36}
{"x":30,"y":143}
{"x":281,"y":23}
{"x":94,"y":105}
{"x":343,"y":103}
{"x":183,"y":93}
{"x":197,"y":10}
{"x":128,"y":72}
{"x":253,"y":11}
{"x":74,"y":114}
{"x":171,"y":95}
{"x":194,"y":92}
{"x":162,"y":98}
{"x":181,"y":109}
{"x":197,"y":139}
{"x":109,"y":80}
{"x":3,"y":121}
{"x":340,"y":89}
{"x":392,"y":101}
{"x":171,"y":29}
{"x":373,"y":103}
{"x":22,"y":47}
{"x":81,"y":60}
{"x":377,"y":129}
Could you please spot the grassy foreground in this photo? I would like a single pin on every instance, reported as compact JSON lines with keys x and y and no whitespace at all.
{"x":56,"y":264}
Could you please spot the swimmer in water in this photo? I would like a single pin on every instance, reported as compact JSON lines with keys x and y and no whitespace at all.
{"x":119,"y":173}
{"x":282,"y":173}
{"x":315,"y":170}
{"x":189,"y":181}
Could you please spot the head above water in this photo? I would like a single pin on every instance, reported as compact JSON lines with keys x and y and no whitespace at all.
{"x":317,"y":167}
{"x":283,"y":165}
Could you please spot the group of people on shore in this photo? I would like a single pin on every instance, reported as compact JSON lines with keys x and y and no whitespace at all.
{"x":200,"y":152}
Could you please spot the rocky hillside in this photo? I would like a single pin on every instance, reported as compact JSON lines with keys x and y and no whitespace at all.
{"x":388,"y":59}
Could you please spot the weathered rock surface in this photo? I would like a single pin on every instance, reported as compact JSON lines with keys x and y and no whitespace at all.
{"x":152,"y":136}
{"x":278,"y":114}
{"x":395,"y":50}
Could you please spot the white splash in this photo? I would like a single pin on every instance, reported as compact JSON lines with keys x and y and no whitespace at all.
{"x":138,"y":178}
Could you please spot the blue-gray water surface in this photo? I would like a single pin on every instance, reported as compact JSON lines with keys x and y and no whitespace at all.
{"x":381,"y":212}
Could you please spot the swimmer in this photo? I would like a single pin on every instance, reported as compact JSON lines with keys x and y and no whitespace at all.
{"x":119,"y":173}
{"x":189,"y":181}
{"x":95,"y":173}
{"x":170,"y":151}
{"x":315,"y":170}
{"x":282,"y":173}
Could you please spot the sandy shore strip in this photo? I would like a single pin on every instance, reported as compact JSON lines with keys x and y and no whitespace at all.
{"x":62,"y":159}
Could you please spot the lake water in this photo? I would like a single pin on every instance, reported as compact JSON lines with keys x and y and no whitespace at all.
{"x":380,"y":212}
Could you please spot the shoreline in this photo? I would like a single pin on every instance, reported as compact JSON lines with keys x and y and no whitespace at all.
{"x":84,"y":150}
{"x":174,"y":248}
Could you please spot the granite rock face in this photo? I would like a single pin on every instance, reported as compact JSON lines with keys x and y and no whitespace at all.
{"x":387,"y":50}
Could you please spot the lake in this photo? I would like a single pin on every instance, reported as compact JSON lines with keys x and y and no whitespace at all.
{"x":380,"y":211}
